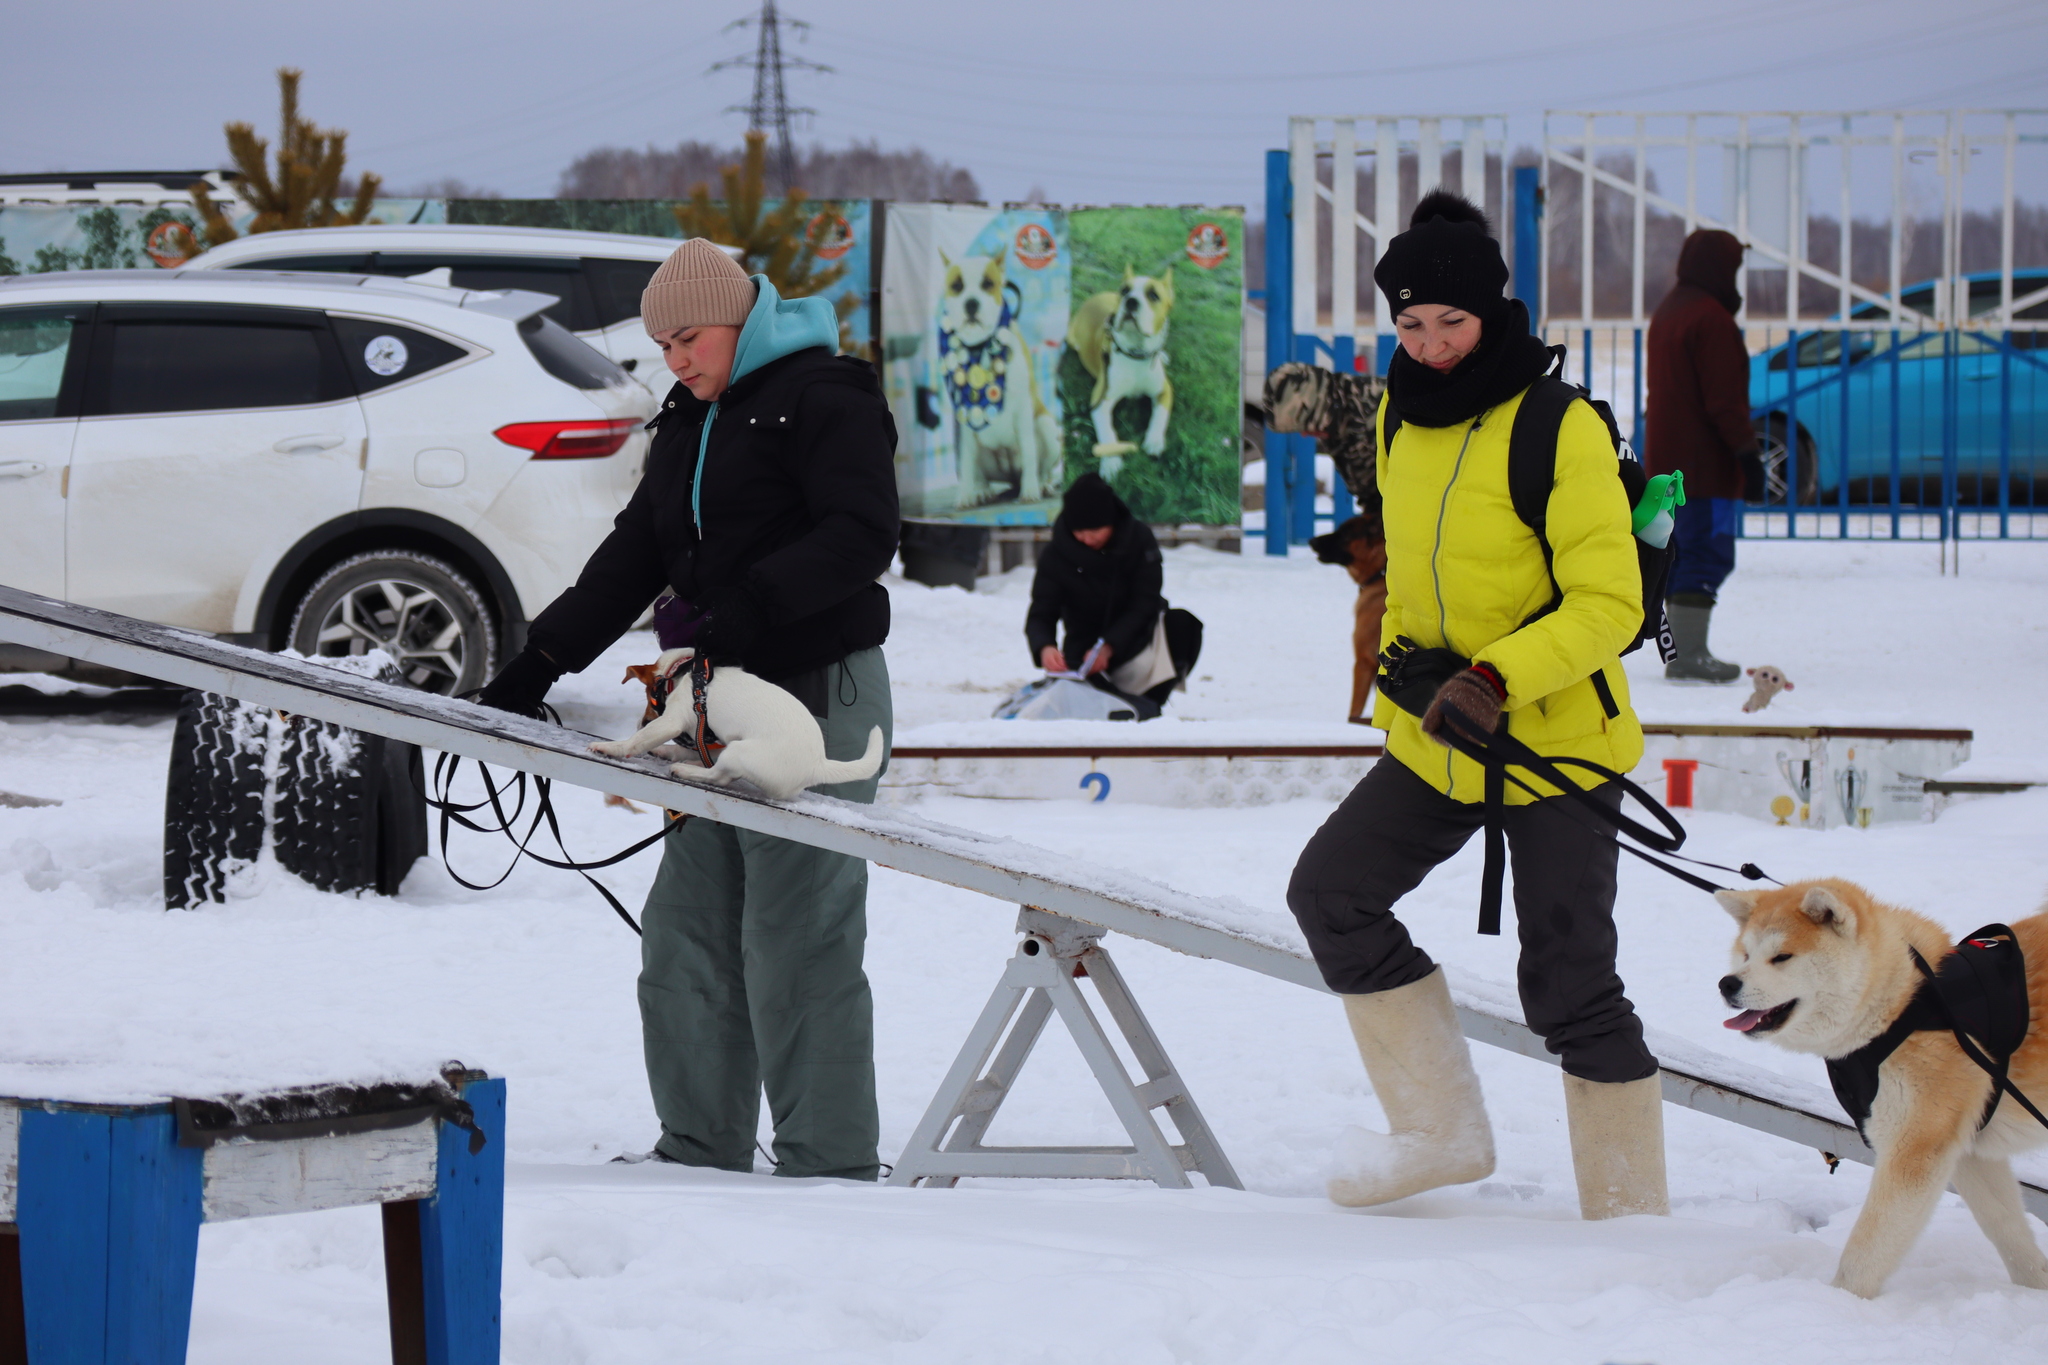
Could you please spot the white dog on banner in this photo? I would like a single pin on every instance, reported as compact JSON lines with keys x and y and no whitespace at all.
{"x":1003,"y":432}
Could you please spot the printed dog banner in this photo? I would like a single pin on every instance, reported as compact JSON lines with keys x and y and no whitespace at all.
{"x":1131,"y":320}
{"x":1150,"y":380}
{"x":36,"y":238}
{"x":974,"y":316}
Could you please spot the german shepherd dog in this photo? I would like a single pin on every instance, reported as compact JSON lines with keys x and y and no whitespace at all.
{"x":1821,"y":967}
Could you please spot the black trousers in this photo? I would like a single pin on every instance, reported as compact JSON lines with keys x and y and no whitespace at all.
{"x":1383,"y":840}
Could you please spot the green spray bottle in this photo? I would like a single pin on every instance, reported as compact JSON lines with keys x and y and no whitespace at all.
{"x":1652,"y":517}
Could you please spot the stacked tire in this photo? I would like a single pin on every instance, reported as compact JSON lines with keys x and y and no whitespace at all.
{"x":344,"y":811}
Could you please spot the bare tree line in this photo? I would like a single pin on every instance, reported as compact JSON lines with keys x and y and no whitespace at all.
{"x":861,"y":170}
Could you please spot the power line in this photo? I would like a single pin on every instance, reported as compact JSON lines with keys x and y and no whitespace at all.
{"x":769,"y":109}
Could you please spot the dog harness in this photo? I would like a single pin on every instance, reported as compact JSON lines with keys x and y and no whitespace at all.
{"x":976,"y":375}
{"x":661,"y":685}
{"x":1978,"y":993}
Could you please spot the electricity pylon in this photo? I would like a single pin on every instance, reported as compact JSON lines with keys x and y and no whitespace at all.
{"x":769,"y":110}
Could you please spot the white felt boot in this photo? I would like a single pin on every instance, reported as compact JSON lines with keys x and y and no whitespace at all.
{"x":1617,"y":1146}
{"x":1421,"y":1069}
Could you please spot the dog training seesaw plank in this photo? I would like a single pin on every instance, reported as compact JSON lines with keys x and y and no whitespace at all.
{"x":1014,"y":873}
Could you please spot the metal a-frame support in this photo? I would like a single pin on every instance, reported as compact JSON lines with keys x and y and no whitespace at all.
{"x":1041,"y":978}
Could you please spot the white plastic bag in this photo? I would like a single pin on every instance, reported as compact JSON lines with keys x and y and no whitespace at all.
{"x":1063,"y":699}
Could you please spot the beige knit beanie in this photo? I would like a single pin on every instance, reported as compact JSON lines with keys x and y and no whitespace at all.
{"x":697,"y":286}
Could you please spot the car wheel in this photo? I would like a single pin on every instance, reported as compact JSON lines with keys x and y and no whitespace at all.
{"x":421,"y":611}
{"x":1770,"y":440}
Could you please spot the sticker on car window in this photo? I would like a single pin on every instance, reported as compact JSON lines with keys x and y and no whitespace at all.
{"x":385,"y":355}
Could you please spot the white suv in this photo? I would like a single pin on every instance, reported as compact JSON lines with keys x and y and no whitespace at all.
{"x":595,"y":277}
{"x":321,"y":462}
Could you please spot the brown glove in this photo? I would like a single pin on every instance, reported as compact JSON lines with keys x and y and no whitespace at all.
{"x":1478,"y":693}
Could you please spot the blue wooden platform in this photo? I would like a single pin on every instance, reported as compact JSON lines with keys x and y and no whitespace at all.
{"x":105,"y":1202}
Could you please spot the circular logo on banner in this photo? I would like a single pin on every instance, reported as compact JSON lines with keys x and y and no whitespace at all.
{"x":834,"y":236}
{"x":1036,"y":248}
{"x":1208,"y":245}
{"x":385,"y":356}
{"x":171,"y":244}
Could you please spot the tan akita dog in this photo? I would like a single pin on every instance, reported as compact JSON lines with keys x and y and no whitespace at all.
{"x":1821,"y":967}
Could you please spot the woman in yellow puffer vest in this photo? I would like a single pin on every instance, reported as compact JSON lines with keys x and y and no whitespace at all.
{"x":1465,"y":574}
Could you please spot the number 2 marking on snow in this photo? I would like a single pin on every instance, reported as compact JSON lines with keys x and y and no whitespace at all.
{"x":1102,"y":793}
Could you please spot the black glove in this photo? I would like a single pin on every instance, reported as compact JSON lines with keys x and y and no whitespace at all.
{"x":1410,"y":675}
{"x":521,"y":685}
{"x":732,"y":624}
{"x":1751,"y":462}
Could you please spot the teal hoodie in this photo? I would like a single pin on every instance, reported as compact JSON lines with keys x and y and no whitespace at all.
{"x":775,"y":327}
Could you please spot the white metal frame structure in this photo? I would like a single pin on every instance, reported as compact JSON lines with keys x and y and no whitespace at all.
{"x":1043,"y":977}
{"x":1945,"y":141}
{"x":1073,"y":902}
{"x":1352,"y":142}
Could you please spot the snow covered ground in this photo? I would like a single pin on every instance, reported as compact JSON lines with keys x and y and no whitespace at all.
{"x":609,"y":1263}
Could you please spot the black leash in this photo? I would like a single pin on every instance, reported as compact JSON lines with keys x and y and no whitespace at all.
{"x":1497,"y":752}
{"x":2001,"y":1082}
{"x":453,"y":812}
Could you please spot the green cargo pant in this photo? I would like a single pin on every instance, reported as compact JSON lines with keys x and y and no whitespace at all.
{"x":751,"y":976}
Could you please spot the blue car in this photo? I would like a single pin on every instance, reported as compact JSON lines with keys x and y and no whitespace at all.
{"x":1902,"y":403}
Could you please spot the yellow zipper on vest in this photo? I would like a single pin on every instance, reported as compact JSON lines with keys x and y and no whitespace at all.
{"x":1443,"y":628}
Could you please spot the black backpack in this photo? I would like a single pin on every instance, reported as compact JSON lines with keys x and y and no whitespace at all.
{"x":1532,"y":469}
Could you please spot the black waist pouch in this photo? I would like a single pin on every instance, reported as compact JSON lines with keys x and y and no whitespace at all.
{"x":1410,"y":675}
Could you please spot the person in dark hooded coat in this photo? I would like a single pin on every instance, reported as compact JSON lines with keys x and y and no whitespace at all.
{"x":1697,"y":415}
{"x":1100,"y":577}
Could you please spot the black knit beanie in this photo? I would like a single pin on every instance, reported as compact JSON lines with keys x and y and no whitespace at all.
{"x":1091,"y":503}
{"x":1446,"y":257}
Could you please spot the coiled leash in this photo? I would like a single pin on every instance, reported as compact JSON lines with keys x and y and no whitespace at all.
{"x":660,"y":686}
{"x":1410,"y":678}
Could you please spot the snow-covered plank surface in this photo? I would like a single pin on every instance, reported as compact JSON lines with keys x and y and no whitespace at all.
{"x":1014,"y":872}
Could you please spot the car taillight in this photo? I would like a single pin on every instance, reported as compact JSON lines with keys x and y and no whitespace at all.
{"x":585,"y":440}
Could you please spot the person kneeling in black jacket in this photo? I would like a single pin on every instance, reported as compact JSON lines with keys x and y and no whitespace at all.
{"x":1100,"y":577}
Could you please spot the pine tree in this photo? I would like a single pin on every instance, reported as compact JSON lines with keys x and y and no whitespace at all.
{"x":301,"y":193}
{"x":781,"y":243}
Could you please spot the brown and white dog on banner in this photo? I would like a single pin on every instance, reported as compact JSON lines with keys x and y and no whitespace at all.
{"x":1339,"y":410}
{"x":1120,"y":336}
{"x":1822,"y":967}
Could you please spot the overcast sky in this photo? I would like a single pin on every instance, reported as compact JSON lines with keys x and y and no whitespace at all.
{"x":1088,"y":100}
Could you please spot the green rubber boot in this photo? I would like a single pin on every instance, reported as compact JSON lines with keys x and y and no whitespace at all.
{"x":1689,"y":620}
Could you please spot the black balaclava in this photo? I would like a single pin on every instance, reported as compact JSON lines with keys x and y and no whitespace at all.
{"x":1447,"y":257}
{"x":1091,"y":503}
